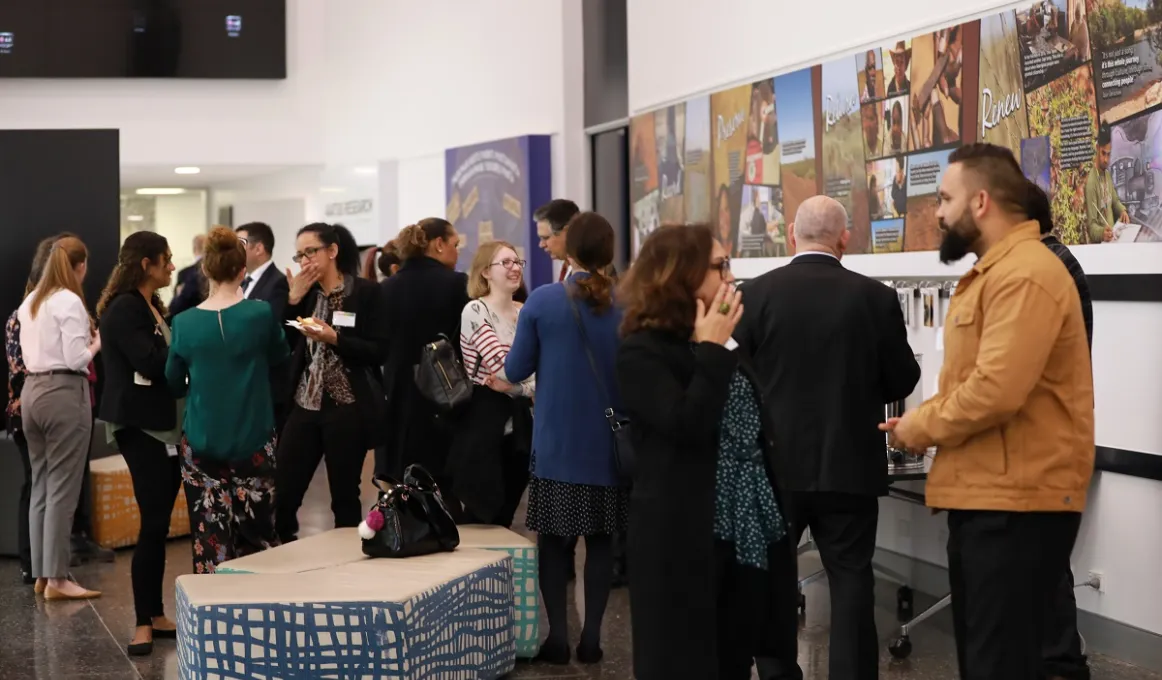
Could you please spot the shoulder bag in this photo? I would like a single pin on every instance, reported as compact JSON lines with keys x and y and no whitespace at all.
{"x":441,"y":377}
{"x":623,"y":452}
{"x":409,"y":518}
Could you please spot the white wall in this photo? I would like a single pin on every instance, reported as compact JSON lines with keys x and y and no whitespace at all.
{"x":1124,"y":516}
{"x":421,"y":189}
{"x":268,"y":199}
{"x":285,"y":217}
{"x":179,"y":219}
{"x":408,"y":80}
{"x":678,"y":49}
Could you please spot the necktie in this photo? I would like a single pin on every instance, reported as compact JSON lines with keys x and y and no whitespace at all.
{"x":564,"y":271}
{"x":246,"y":283}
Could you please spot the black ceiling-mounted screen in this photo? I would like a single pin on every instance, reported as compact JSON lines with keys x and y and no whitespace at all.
{"x":143,"y":39}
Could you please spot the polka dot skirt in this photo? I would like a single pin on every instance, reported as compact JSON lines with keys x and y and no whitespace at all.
{"x":566,"y":509}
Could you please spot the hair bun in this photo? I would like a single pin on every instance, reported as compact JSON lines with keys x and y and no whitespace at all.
{"x":221,"y":239}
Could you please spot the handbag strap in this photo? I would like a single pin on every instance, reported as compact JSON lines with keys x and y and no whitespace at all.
{"x":609,"y":415}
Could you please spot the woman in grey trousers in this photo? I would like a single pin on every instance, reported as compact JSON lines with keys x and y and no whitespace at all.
{"x":58,"y":343}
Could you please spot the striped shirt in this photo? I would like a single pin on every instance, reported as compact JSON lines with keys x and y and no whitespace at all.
{"x":1074,"y":267}
{"x":485,"y":339}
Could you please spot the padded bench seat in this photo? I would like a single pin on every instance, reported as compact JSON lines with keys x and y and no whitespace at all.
{"x":116,"y":519}
{"x":447,"y":616}
{"x":339,"y":547}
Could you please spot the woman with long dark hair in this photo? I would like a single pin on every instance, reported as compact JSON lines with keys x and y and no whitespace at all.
{"x":58,"y":344}
{"x":221,"y":355}
{"x":142,"y":415}
{"x":574,"y":490}
{"x":337,"y":391}
{"x":423,"y":301}
{"x":712,"y":562}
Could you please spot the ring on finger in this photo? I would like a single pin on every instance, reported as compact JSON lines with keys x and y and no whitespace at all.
{"x":724,"y":308}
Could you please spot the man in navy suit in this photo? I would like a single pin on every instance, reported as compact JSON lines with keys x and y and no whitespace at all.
{"x":265,"y":281}
{"x":190,"y":289}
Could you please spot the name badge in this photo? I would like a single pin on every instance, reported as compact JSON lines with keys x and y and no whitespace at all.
{"x":139,"y":379}
{"x":343,"y":320}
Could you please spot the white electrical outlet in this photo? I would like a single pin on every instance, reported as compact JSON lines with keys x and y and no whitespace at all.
{"x":1096,"y":580}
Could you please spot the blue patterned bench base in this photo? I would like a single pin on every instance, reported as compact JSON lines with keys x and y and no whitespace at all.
{"x":459,"y":630}
{"x":341,"y":546}
{"x":526,"y":593}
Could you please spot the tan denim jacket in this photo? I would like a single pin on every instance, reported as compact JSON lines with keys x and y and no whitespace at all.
{"x":1013,"y":418}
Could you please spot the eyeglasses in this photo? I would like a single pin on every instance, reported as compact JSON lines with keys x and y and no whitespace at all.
{"x":307,"y":253}
{"x":245,"y":242}
{"x":509,"y":263}
{"x":722,"y":267}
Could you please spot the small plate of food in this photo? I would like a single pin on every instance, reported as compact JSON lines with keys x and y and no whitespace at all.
{"x":308,"y":323}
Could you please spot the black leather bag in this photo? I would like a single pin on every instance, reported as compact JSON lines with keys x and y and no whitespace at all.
{"x":416,"y":521}
{"x":441,"y":377}
{"x":619,"y":425}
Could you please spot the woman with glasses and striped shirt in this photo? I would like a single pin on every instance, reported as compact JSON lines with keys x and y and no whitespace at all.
{"x":489,"y":459}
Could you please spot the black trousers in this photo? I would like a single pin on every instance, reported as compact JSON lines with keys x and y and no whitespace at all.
{"x":748,"y":630}
{"x":1005,"y":572}
{"x":333,"y":435}
{"x":843,"y":527}
{"x":1061,"y":652}
{"x":157,"y":479}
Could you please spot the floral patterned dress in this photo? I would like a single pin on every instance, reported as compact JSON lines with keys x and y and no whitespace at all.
{"x":231,"y":506}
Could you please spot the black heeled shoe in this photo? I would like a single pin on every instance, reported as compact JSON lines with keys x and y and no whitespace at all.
{"x":165,"y":634}
{"x":590,"y":654}
{"x":140,"y":648}
{"x":556,"y":654}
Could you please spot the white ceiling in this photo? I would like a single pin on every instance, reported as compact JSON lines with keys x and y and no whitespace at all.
{"x":138,"y":176}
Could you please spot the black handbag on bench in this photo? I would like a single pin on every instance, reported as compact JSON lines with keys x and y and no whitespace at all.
{"x":415,"y":520}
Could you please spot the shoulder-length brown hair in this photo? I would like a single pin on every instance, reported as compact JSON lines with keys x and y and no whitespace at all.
{"x":659,"y":290}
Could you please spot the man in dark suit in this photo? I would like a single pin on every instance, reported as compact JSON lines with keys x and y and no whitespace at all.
{"x":265,"y":281}
{"x":190,"y":289}
{"x":552,"y":219}
{"x":830,"y":349}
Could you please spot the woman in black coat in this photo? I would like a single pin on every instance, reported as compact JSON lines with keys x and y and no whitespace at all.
{"x":714,"y":578}
{"x":142,"y":414}
{"x":336,"y":388}
{"x":423,"y":302}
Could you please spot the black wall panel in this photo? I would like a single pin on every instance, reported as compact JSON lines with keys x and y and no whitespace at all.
{"x":53,"y":181}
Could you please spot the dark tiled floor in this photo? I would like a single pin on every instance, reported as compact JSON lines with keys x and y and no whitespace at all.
{"x":85,"y":641}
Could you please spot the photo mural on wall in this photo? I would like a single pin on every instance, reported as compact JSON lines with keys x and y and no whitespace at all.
{"x":1073,"y":87}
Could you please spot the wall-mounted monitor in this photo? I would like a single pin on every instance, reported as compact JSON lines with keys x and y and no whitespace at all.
{"x":143,"y":39}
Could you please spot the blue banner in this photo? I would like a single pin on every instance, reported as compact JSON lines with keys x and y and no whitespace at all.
{"x":492,"y":190}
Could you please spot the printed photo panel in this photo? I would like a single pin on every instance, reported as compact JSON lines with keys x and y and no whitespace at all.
{"x":843,"y":150}
{"x":794,"y":102}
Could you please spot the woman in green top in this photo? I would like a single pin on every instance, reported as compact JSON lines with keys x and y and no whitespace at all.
{"x":220,"y":360}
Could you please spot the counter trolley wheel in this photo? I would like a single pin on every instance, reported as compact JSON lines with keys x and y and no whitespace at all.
{"x":905,"y":604}
{"x":901,"y":647}
{"x":802,"y":608}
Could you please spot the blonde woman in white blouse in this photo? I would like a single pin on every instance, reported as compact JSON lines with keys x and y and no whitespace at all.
{"x":58,"y":343}
{"x":489,"y":460}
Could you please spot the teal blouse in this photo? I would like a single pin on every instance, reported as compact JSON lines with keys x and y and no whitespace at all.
{"x":746,"y":512}
{"x":227,"y":357}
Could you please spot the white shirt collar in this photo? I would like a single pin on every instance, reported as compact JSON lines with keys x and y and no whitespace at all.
{"x":255,"y":276}
{"x":813,"y":252}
